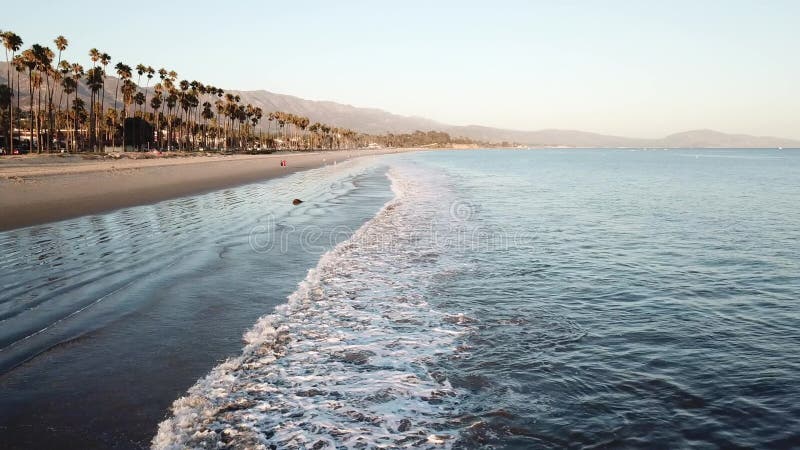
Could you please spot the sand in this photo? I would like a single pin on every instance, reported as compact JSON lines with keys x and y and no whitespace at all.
{"x":36,"y":190}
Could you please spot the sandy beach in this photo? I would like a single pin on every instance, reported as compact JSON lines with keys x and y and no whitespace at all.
{"x":41,"y":189}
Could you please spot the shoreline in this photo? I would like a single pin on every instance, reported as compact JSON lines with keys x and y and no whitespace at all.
{"x":34,"y":191}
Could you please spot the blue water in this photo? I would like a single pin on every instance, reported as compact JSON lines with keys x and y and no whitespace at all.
{"x":490,"y":299}
{"x":647,"y":299}
{"x":536,"y":299}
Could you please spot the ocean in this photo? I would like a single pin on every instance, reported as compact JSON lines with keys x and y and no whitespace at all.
{"x":450,"y":299}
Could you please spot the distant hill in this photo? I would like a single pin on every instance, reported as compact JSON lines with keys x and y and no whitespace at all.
{"x":366,"y":120}
{"x":376,"y":121}
{"x":545,"y":138}
{"x":711,"y":138}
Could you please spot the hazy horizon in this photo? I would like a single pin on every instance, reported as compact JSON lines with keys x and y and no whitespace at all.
{"x":636,"y":69}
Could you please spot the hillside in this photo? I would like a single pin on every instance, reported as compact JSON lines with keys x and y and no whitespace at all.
{"x":376,"y":121}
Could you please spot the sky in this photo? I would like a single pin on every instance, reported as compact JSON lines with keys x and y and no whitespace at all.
{"x":633,"y":68}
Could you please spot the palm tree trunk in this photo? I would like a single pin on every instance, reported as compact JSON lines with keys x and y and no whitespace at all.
{"x":10,"y":104}
{"x":169,"y":128}
{"x":102,"y":110}
{"x":158,"y":131}
{"x":51,"y":120}
{"x":75,"y":129}
{"x":19,"y":110}
{"x":39,"y":120}
{"x":49,"y":111}
{"x":90,"y":131}
{"x":11,"y":118}
{"x":116,"y":96}
{"x":147,"y":87}
{"x":123,"y":117}
{"x":30,"y":110}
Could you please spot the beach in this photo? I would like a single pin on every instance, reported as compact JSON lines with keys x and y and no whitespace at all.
{"x":140,"y":302}
{"x":428,"y":300}
{"x":40,"y":189}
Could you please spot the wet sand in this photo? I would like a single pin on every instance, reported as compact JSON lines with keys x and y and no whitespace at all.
{"x":36,"y":190}
{"x":136,"y":305}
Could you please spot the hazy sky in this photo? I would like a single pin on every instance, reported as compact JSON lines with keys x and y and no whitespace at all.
{"x":636,"y":68}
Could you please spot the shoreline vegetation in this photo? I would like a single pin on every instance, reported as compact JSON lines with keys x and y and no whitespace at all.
{"x":52,"y":105}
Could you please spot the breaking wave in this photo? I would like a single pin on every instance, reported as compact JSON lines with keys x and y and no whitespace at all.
{"x":351,"y":359}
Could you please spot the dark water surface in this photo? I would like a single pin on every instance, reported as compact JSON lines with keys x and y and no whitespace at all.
{"x":501,"y":299}
{"x":134,"y":306}
{"x":647,"y":299}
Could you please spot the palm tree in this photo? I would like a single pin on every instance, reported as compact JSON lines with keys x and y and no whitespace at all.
{"x":326,"y":130}
{"x":64,"y":68}
{"x":141,"y":69}
{"x":220,"y":106}
{"x":184,"y":86}
{"x":172,"y":101}
{"x":37,"y":87}
{"x":232,"y":111}
{"x":155,"y":103}
{"x":12,"y":43}
{"x":77,"y":73}
{"x":94,"y":55}
{"x":270,"y":118}
{"x":105,"y":60}
{"x":123,"y":74}
{"x":29,"y":59}
{"x":69,"y":85}
{"x":129,"y":89}
{"x":314,"y":129}
{"x":44,"y":60}
{"x":79,"y":109}
{"x":6,"y":95}
{"x":94,"y":81}
{"x":61,"y":44}
{"x":241,"y":116}
{"x":139,"y":99}
{"x":207,"y":115}
{"x":220,"y":93}
{"x":149,"y":72}
{"x":192,"y":102}
{"x":254,"y":114}
{"x":282,"y":122}
{"x":303,"y":122}
{"x":20,"y":67}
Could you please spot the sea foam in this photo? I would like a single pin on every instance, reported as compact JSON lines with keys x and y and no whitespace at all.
{"x":349,"y":360}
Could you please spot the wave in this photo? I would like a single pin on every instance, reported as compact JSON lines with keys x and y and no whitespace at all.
{"x":349,"y":360}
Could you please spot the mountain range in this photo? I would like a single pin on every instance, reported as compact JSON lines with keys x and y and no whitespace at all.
{"x":377,"y":121}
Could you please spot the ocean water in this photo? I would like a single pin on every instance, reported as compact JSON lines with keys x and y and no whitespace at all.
{"x":449,"y":299}
{"x":542,"y":299}
{"x":105,"y":320}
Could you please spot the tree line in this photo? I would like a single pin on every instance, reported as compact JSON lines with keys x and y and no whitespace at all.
{"x":171,"y":114}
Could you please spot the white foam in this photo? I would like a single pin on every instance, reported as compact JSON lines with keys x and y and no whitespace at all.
{"x":346,"y":362}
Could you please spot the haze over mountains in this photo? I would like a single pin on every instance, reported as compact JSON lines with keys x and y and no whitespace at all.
{"x":377,"y":121}
{"x":372,"y":120}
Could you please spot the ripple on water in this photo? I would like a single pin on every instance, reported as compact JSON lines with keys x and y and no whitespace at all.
{"x":348,"y":361}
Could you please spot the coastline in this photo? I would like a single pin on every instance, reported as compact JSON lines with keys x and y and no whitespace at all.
{"x":134,"y":312}
{"x":36,"y":192}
